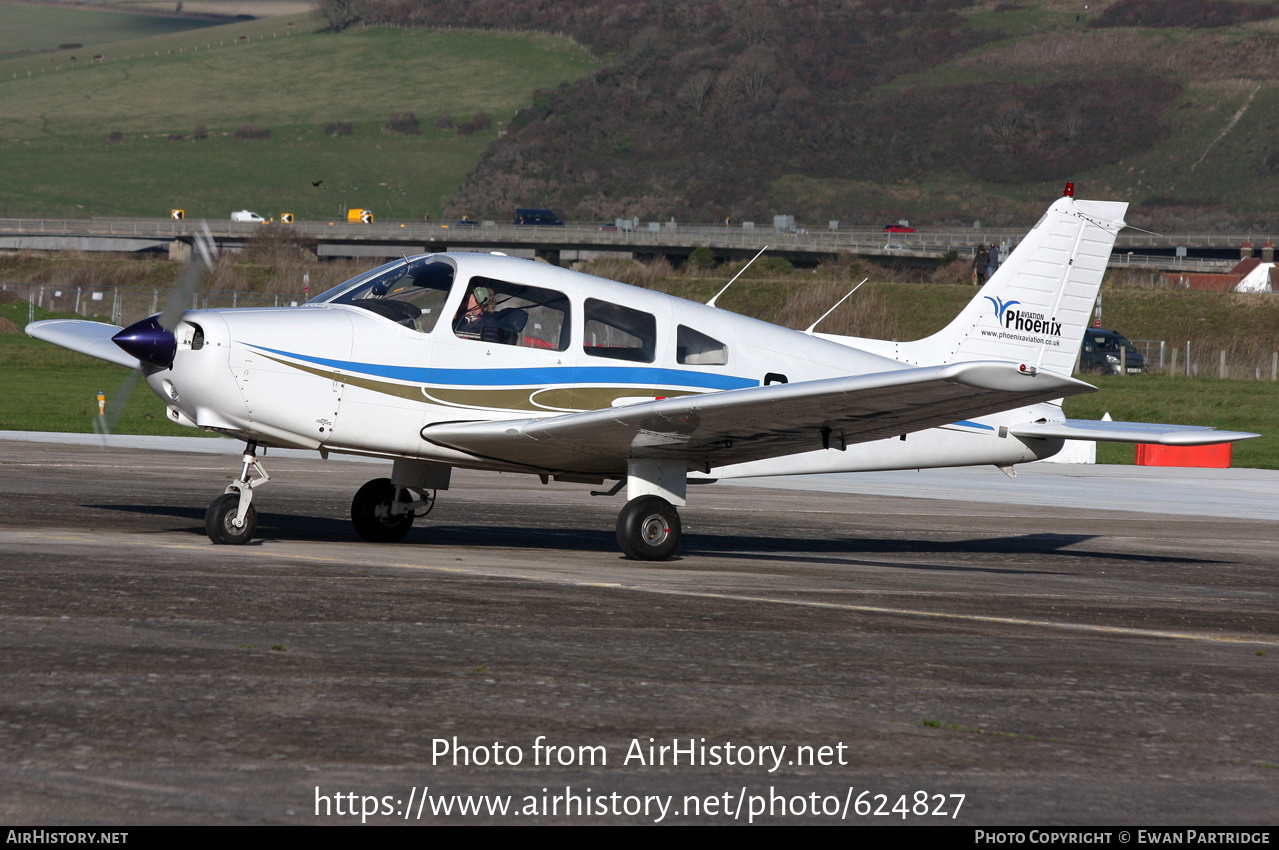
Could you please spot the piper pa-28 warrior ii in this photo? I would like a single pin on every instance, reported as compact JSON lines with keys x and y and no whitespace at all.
{"x":491,"y":362}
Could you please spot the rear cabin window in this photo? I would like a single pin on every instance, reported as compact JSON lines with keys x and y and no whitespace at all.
{"x":693,"y":348}
{"x":621,"y":333}
{"x":496,"y":311}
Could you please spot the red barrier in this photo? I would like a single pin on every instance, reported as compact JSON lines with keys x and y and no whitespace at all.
{"x":1215,"y":456}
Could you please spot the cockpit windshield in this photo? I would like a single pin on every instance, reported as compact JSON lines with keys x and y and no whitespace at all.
{"x":411,"y":292}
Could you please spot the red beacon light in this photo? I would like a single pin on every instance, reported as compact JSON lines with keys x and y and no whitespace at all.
{"x":1070,"y":191}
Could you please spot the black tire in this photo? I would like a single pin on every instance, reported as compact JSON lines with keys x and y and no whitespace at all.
{"x":370,"y":512}
{"x":648,"y":529}
{"x":217,"y":521}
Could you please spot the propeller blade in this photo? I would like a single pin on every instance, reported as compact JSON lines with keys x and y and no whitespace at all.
{"x":189,"y":279}
{"x":104,"y":424}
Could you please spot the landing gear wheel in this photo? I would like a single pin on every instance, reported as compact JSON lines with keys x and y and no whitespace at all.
{"x":648,"y":529}
{"x":371,"y":513}
{"x":218,"y":521}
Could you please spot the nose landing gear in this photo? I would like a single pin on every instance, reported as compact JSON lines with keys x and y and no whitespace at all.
{"x":231,"y":519}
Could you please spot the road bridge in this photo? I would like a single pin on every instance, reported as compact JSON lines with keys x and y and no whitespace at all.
{"x":802,"y":246}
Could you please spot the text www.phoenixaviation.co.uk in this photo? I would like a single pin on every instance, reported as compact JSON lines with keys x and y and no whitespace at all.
{"x":739,"y":804}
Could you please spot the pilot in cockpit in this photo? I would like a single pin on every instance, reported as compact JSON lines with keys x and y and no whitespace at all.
{"x":477,"y":320}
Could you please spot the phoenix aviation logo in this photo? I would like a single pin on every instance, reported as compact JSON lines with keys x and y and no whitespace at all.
{"x":1023,"y":320}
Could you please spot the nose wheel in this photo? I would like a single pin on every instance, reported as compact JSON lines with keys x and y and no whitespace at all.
{"x":231,"y":519}
{"x":648,"y":529}
{"x":220,"y":521}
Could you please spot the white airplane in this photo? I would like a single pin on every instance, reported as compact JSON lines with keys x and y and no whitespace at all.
{"x":496,"y":363}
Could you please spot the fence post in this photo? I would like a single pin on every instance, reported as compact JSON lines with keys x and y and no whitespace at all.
{"x":1172,"y":368}
{"x":1123,"y":360}
{"x":1274,"y":365}
{"x":1187,"y":358}
{"x":1161,"y":355}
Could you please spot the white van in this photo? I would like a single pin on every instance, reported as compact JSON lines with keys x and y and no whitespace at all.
{"x":249,"y":216}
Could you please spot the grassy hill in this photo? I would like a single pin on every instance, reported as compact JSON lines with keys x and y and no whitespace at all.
{"x":155,"y":92}
{"x":946,"y":111}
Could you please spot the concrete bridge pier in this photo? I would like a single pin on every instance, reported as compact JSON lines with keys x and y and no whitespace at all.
{"x":550,"y":255}
{"x":179,"y":251}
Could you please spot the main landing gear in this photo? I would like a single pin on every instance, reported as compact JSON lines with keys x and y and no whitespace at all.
{"x":384,"y":513}
{"x":648,"y":529}
{"x":232,"y":519}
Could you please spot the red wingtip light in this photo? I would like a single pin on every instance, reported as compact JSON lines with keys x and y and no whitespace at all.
{"x":1070,"y":191}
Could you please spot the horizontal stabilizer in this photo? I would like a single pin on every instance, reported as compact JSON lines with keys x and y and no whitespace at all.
{"x":91,"y":338}
{"x":736,"y":426}
{"x":1129,"y":432}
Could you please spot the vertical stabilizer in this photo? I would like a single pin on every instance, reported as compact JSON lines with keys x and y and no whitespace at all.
{"x":1036,"y":307}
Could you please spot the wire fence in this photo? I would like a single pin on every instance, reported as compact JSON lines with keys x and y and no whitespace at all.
{"x":1191,"y":360}
{"x":124,"y":305}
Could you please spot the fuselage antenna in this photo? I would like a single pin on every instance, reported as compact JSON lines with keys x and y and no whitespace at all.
{"x":837,"y":303}
{"x":711,"y":303}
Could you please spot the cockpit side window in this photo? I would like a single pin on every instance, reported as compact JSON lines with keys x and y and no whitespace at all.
{"x":693,"y":348}
{"x":498,"y":311}
{"x":618,"y":332}
{"x":411,"y":293}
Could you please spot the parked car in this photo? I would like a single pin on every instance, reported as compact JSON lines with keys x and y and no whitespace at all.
{"x":898,"y":228}
{"x":247,"y":215}
{"x":1100,"y":353}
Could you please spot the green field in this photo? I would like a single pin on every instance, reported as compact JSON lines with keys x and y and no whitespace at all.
{"x":48,"y":388}
{"x":54,"y":126}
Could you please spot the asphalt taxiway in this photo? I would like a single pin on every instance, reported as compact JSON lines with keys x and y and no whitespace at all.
{"x":941,"y":633}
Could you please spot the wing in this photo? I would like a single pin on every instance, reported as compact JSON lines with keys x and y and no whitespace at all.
{"x":91,"y":338}
{"x":735,"y":426}
{"x":1129,"y":432}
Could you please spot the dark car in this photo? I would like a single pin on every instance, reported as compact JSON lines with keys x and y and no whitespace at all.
{"x":545,"y":218}
{"x":1101,"y":353}
{"x":465,"y":222}
{"x":898,"y":228}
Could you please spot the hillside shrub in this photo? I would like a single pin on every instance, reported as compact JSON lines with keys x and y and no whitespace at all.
{"x":478,"y":124}
{"x":115,"y":136}
{"x":404,"y":124}
{"x":700,"y":259}
{"x":339,"y":128}
{"x":253,"y":131}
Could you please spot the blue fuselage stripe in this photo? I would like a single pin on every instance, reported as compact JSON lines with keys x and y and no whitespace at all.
{"x":646,"y":376}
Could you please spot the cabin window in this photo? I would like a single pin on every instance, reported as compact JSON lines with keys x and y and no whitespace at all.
{"x":504,"y":313}
{"x":693,"y":348}
{"x":621,"y":333}
{"x":411,"y":293}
